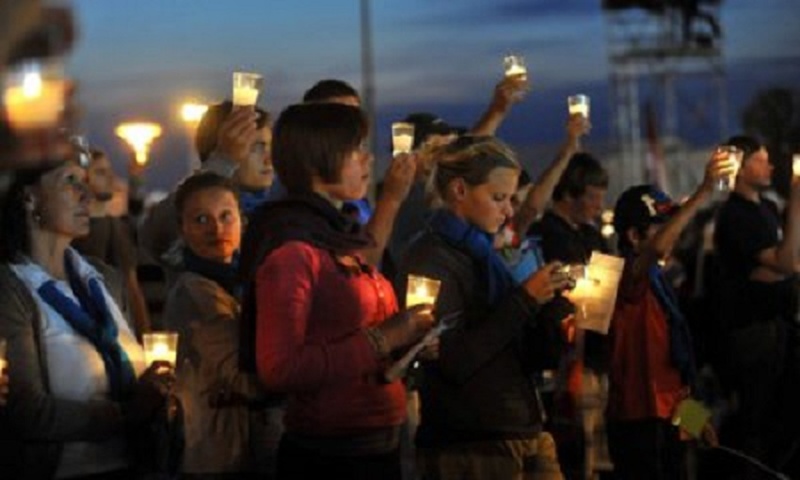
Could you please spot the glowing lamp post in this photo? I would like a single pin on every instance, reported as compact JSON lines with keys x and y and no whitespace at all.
{"x":191,"y":113}
{"x":139,"y":136}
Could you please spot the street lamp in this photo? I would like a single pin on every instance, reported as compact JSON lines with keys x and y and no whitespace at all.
{"x":139,"y":136}
{"x":191,"y":113}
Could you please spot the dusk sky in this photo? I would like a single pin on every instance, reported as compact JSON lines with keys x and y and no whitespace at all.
{"x":140,"y":59}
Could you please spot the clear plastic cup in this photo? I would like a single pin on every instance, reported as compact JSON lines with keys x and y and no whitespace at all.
{"x":735,"y":155}
{"x":402,"y":137}
{"x":515,"y":65}
{"x":246,"y":87}
{"x":578,"y":103}
{"x":160,"y":346}
{"x":421,"y":290}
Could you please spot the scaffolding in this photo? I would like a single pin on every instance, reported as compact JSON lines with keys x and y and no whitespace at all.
{"x":655,"y":49}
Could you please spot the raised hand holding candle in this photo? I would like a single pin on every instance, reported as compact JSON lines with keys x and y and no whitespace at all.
{"x":402,"y":137}
{"x":421,"y":290}
{"x":160,"y":346}
{"x":246,"y":87}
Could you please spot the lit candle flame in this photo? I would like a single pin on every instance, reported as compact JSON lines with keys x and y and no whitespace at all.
{"x":32,"y":85}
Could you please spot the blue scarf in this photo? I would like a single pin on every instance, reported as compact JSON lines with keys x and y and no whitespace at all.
{"x":478,"y":244}
{"x":680,"y":339}
{"x":250,"y":200}
{"x":92,"y":319}
{"x":226,"y":275}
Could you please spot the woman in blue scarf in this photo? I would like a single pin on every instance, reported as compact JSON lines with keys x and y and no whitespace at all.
{"x":77,"y":388}
{"x":480,"y":414}
{"x":203,"y":305}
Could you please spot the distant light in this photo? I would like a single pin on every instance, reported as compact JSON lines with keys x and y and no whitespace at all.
{"x":139,"y":136}
{"x":193,"y":112}
{"x":607,"y":230}
{"x":607,"y":216}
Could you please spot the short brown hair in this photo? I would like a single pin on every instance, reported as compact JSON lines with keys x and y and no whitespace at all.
{"x":583,"y":170}
{"x":313,"y":139}
{"x":198,"y":183}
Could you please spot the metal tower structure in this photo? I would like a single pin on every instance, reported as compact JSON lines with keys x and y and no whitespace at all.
{"x":656,"y":48}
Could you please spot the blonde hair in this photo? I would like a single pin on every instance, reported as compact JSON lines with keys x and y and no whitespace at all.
{"x":470,"y":157}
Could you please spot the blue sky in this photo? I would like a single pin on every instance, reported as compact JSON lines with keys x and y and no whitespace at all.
{"x":141,"y":59}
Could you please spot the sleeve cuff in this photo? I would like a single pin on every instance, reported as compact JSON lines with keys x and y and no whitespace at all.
{"x":220,"y":164}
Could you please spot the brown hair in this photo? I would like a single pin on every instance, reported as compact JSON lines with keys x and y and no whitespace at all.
{"x":205,"y":140}
{"x":198,"y":183}
{"x":583,"y":170}
{"x":313,"y":139}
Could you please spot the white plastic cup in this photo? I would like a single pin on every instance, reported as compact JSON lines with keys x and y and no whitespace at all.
{"x":402,"y":137}
{"x":515,"y":65}
{"x":578,"y":103}
{"x":735,"y":156}
{"x":160,"y":346}
{"x":421,"y":290}
{"x":246,"y":87}
{"x":34,"y":94}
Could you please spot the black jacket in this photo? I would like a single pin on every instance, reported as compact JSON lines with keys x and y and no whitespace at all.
{"x":480,"y":387}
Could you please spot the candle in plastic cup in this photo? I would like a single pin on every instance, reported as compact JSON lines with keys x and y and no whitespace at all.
{"x":514,"y":65}
{"x":796,"y":164}
{"x":735,"y":159}
{"x":578,"y":104}
{"x":33,"y":95}
{"x":421,"y":290}
{"x":246,"y":87}
{"x":402,"y":137}
{"x":160,"y":346}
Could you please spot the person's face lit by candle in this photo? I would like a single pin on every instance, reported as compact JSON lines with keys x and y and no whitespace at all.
{"x":211,"y":224}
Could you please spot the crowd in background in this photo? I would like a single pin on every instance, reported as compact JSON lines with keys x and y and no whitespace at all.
{"x":287,"y":282}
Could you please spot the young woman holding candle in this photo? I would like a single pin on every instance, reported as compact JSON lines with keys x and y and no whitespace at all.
{"x":73,"y":360}
{"x":327,"y":322}
{"x":219,"y":400}
{"x":480,"y":415}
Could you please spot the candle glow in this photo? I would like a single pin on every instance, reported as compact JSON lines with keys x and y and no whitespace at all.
{"x":578,"y":104}
{"x":402,"y":137}
{"x":160,"y":346}
{"x":421,"y":290}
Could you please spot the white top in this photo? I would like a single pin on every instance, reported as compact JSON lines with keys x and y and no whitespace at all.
{"x":76,"y":369}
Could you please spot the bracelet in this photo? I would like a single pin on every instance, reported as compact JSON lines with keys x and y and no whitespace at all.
{"x":378,"y":342}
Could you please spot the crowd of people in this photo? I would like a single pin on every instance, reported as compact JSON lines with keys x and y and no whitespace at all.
{"x":287,"y":287}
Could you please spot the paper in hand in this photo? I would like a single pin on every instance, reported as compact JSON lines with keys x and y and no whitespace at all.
{"x":691,"y":416}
